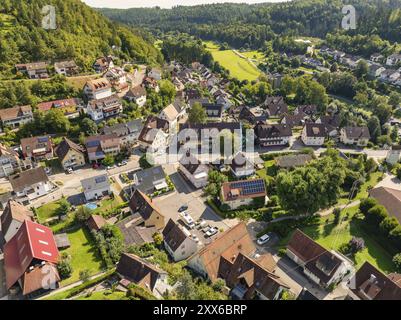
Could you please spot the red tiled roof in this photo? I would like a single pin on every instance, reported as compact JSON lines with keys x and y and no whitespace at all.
{"x":32,"y":241}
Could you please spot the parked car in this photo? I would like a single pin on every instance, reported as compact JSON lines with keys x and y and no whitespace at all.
{"x":211,"y":232}
{"x":124,"y":162}
{"x":201,"y":224}
{"x":183,"y":208}
{"x":69,"y":171}
{"x":48,"y":170}
{"x":206,"y":229}
{"x":188,"y":220}
{"x":263,"y":239}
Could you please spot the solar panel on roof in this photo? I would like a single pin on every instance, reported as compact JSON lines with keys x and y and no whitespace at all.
{"x":249,"y":187}
{"x":43,"y":139}
{"x":92,"y":143}
{"x":100,"y":179}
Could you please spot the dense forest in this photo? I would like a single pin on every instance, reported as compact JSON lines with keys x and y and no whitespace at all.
{"x":242,"y":25}
{"x":82,"y":34}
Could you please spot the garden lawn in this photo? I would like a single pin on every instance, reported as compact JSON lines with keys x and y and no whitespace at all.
{"x":104,"y":295}
{"x":107,"y":205}
{"x":84,"y":254}
{"x":331,"y":236}
{"x":268,"y":170}
{"x":239,"y":67}
{"x":47,"y":211}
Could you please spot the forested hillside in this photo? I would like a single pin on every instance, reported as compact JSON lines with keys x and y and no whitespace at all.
{"x":82,"y":34}
{"x":243,"y":25}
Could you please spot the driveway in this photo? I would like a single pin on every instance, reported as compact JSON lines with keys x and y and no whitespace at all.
{"x":187,"y":195}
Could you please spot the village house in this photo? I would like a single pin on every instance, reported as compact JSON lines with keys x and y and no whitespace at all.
{"x":127,"y":132}
{"x":37,"y":148}
{"x":97,"y":89}
{"x":272,"y":134}
{"x":34,"y":70}
{"x":359,"y":136}
{"x":102,"y":64}
{"x":294,"y":120}
{"x":323,"y":267}
{"x":132,"y":268}
{"x":232,"y":257}
{"x":155,"y":74}
{"x":393,"y":59}
{"x":16,"y":117}
{"x":30,"y":260}
{"x":104,"y":108}
{"x":10,"y":162}
{"x":70,"y":107}
{"x":151,"y":83}
{"x":214,"y":111}
{"x":390,"y":75}
{"x":13,"y":217}
{"x":252,"y":114}
{"x":194,"y":171}
{"x":236,"y":194}
{"x":151,"y":215}
{"x":96,"y":187}
{"x":31,"y":184}
{"x":155,"y":135}
{"x":208,"y":143}
{"x":146,"y":180}
{"x":376,"y":70}
{"x":117,"y":77}
{"x":308,"y":110}
{"x":377,"y":58}
{"x":70,"y":154}
{"x":66,"y":68}
{"x":241,"y":166}
{"x":178,"y":241}
{"x":179,"y":86}
{"x":134,"y":232}
{"x":314,"y":134}
{"x":369,"y":283}
{"x":275,"y":107}
{"x":171,"y":115}
{"x":332,"y":124}
{"x":137,"y":95}
{"x":390,"y":198}
{"x":97,"y":147}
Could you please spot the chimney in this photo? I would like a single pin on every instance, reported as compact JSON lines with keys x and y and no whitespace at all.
{"x":372,"y":279}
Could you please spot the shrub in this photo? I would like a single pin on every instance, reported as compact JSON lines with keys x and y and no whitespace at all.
{"x":84,"y":275}
{"x":397,"y":261}
{"x":376,"y":215}
{"x":367,"y":204}
{"x":337,"y":214}
{"x":64,"y":268}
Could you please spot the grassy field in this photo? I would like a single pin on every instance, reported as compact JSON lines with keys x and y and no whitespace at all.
{"x":47,"y":211}
{"x":239,"y":67}
{"x":104,"y":295}
{"x":83,"y":254}
{"x":332,"y":236}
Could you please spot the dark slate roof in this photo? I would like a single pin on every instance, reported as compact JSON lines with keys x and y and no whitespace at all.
{"x":173,"y":235}
{"x":152,"y":122}
{"x":315,"y":130}
{"x":357,"y":132}
{"x":66,"y":145}
{"x":276,"y":106}
{"x":142,"y":204}
{"x":27,"y":178}
{"x":371,"y":284}
{"x":266,"y":131}
{"x":14,"y":211}
{"x":133,"y":233}
{"x":124,"y":129}
{"x":138,"y":270}
{"x":307,"y":109}
{"x":319,"y":261}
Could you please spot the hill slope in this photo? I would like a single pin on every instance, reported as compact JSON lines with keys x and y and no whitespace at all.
{"x":250,"y":25}
{"x":82,"y":33}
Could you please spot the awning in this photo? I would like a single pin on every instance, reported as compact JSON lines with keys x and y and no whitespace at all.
{"x":161,"y":185}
